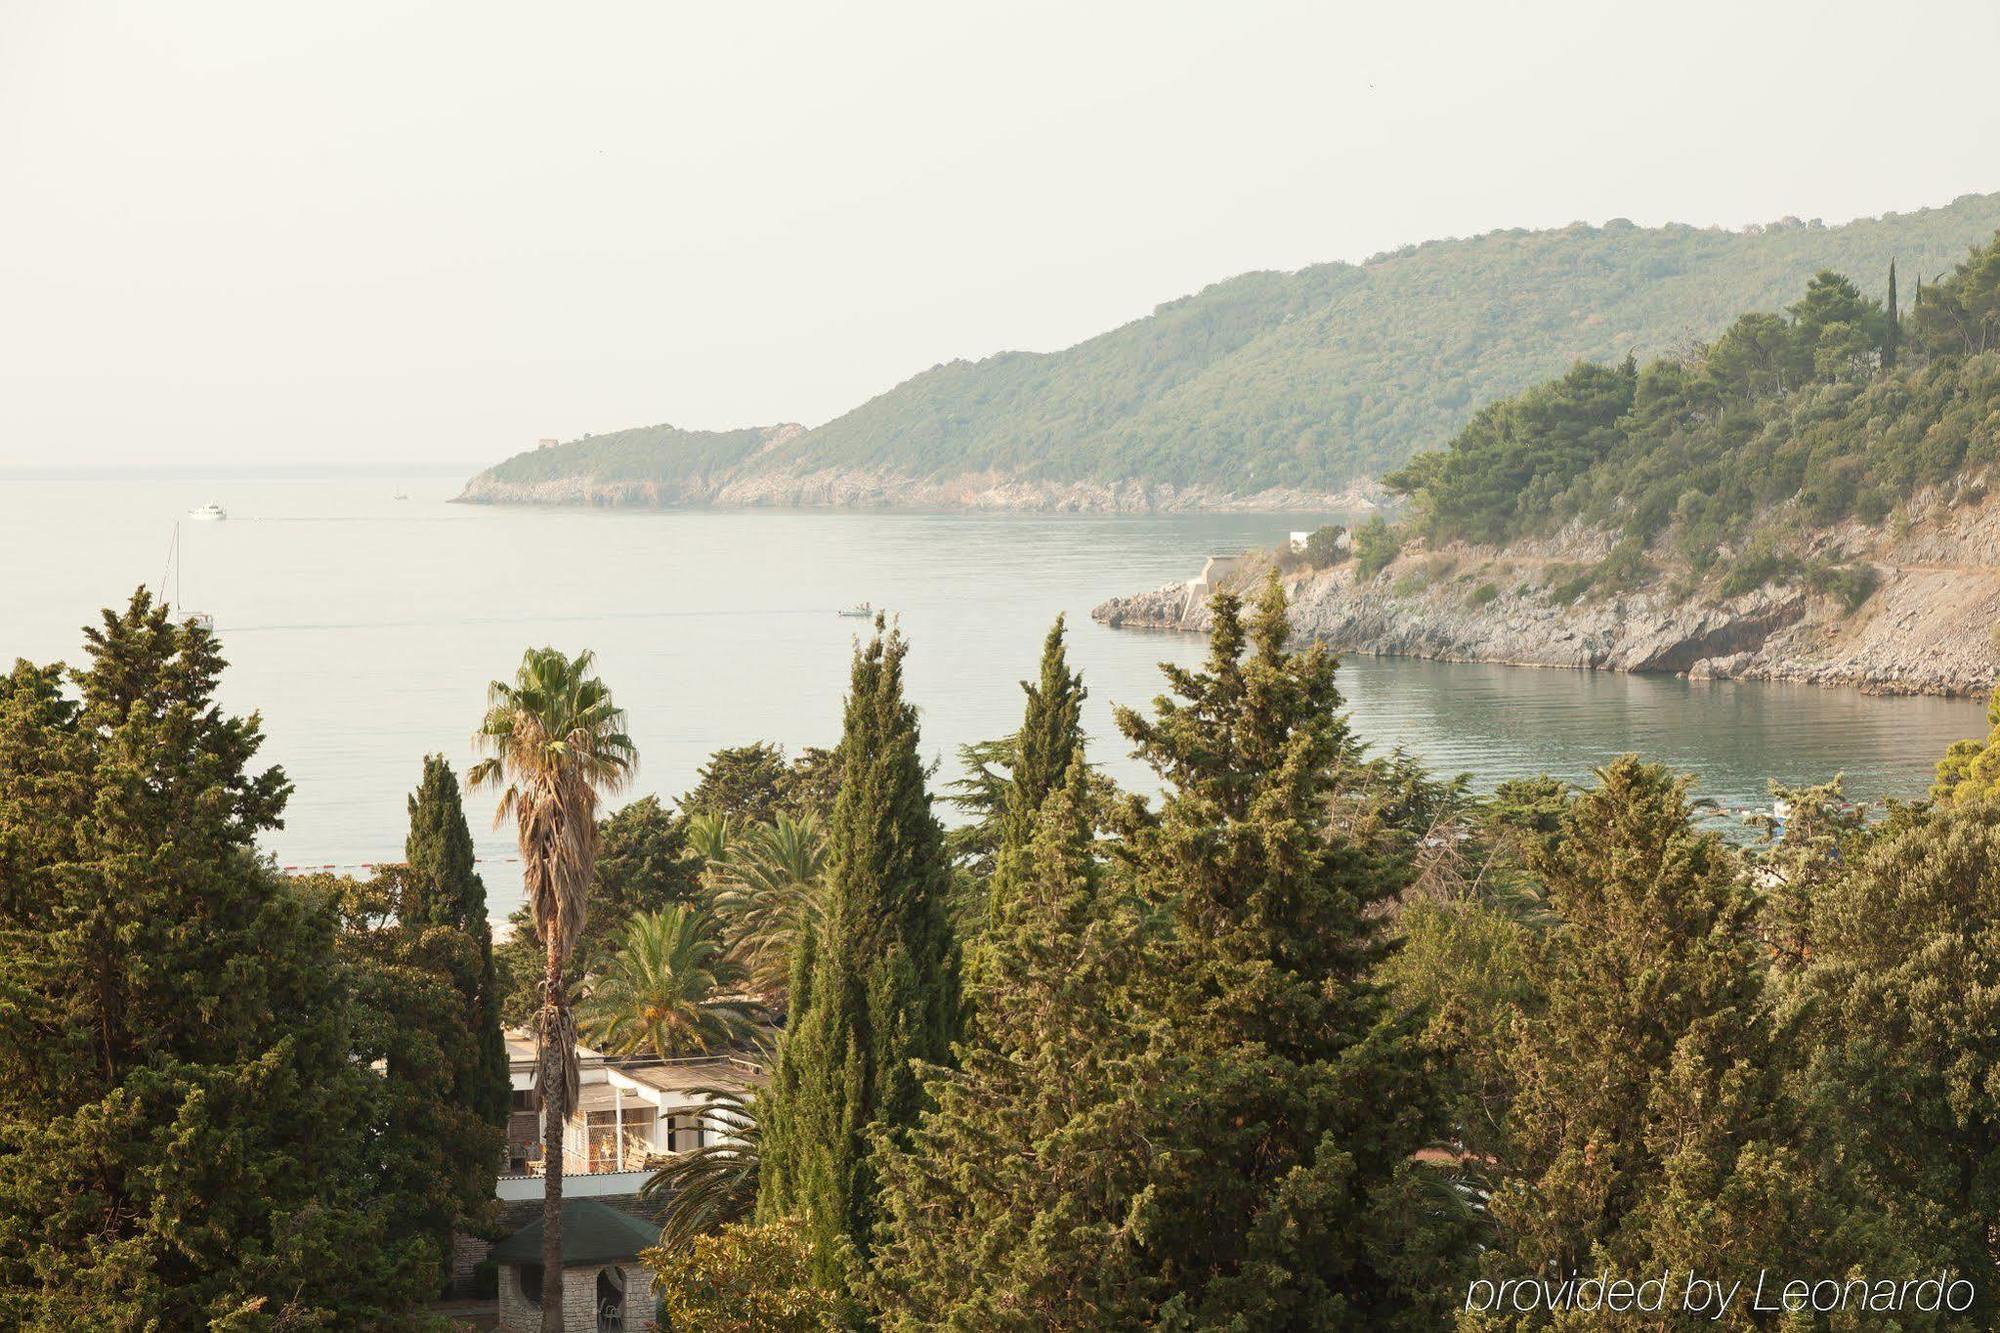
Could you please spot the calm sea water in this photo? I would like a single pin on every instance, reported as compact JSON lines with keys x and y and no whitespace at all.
{"x":364,"y":628}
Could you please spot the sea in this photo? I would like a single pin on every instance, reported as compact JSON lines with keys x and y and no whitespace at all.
{"x":363,"y":614}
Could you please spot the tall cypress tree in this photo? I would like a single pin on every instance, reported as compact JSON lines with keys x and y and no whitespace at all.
{"x":1049,"y":741}
{"x":1892,"y":334}
{"x":186,"y":1135}
{"x":1006,"y":1209}
{"x":1286,"y":1101}
{"x":876,"y":987}
{"x":441,"y":889}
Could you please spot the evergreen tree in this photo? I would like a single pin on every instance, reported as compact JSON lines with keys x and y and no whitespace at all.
{"x":1284,"y":1102}
{"x":1006,"y":1209}
{"x":1651,"y":1128}
{"x":436,"y":1149}
{"x":1892,"y":333}
{"x":186,"y":1135}
{"x":1901,"y":1006}
{"x":1039,"y":758}
{"x":1970,"y":769}
{"x":1050,"y":739}
{"x":739,"y":782}
{"x":441,"y":890}
{"x":876,"y":986}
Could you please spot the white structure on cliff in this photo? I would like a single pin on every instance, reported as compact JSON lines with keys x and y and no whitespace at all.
{"x":1201,"y":587}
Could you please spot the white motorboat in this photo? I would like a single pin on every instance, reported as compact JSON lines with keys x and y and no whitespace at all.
{"x":209,"y":513}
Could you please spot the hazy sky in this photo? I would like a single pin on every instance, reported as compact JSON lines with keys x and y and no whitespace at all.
{"x":287,"y":232}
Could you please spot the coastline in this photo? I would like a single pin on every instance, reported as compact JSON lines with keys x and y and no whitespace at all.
{"x":1926,"y":628}
{"x":983,"y":492}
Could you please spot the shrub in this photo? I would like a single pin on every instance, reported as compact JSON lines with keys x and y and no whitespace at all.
{"x":1852,"y":584}
{"x":1625,"y":567}
{"x":1570,"y":589}
{"x":744,"y":1279}
{"x":1483,"y":594}
{"x":1375,"y":546}
{"x":1323,"y":546}
{"x":1758,"y":565}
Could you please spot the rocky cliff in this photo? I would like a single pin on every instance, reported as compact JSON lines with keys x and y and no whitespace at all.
{"x":1928,"y":627}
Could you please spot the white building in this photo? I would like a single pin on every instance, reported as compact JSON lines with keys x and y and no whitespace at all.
{"x":627,"y":1111}
{"x":1199,"y":588}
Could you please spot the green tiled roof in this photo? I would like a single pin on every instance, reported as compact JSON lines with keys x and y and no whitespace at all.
{"x":592,"y":1233}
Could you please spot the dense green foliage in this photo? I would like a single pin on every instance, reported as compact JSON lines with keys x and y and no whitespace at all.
{"x":1317,"y":1039}
{"x":1899,"y":1008}
{"x":667,"y":990}
{"x":189,"y":1133}
{"x":637,"y":456}
{"x":875,"y":987}
{"x":1830,"y":408}
{"x":1323,"y":546}
{"x":439,"y":1149}
{"x":1310,"y":379}
{"x":1004,"y":1211}
{"x":440,"y":889}
{"x":1970,"y":769}
{"x":1649,"y":1129}
{"x":747,"y":1278}
{"x":769,"y":887}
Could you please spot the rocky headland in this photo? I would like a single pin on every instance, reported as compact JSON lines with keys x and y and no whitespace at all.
{"x":1927,"y":626}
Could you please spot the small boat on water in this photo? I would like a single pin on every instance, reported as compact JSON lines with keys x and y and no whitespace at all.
{"x":861,"y":612}
{"x":401,"y":495}
{"x":209,"y":513}
{"x":170,"y":585}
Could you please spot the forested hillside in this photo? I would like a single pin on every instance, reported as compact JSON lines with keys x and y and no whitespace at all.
{"x":1280,"y":384}
{"x":1839,"y":407}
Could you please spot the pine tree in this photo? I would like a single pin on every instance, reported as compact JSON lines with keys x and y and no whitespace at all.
{"x":186,"y":1136}
{"x":1285,"y":1103}
{"x":1901,"y":1004}
{"x":1005,"y":1210}
{"x":876,"y":987}
{"x":1651,"y":1126}
{"x":442,"y":889}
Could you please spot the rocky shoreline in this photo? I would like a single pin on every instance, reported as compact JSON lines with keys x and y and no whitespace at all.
{"x":974,"y":492}
{"x":1928,"y":627}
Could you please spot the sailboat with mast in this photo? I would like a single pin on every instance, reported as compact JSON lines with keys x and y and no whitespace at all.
{"x":170,"y":579}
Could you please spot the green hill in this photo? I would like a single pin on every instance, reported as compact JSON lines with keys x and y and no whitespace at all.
{"x":1286,"y":382}
{"x":1786,"y":425}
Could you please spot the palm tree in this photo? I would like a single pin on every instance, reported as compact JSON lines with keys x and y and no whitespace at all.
{"x":661,"y":992}
{"x":555,"y":741}
{"x":716,"y":1184}
{"x":710,"y":836}
{"x":768,"y":888}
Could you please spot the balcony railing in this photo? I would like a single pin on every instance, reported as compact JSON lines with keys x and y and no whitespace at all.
{"x":599,"y":1156}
